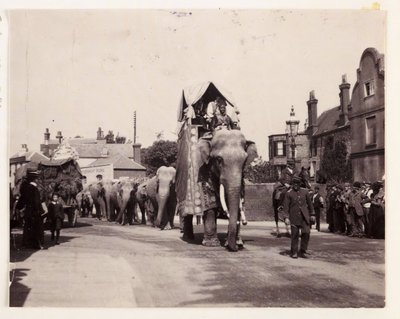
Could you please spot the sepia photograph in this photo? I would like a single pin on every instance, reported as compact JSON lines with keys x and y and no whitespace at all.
{"x":196,"y":158}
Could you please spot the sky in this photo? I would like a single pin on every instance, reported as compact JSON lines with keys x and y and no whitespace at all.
{"x":77,"y":70}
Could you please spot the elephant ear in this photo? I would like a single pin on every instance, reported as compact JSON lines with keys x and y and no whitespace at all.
{"x":204,"y":147}
{"x":251,"y":151}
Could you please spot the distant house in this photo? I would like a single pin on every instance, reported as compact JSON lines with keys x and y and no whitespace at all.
{"x":91,"y":149}
{"x":280,"y":149}
{"x":122,"y":166}
{"x":22,"y":157}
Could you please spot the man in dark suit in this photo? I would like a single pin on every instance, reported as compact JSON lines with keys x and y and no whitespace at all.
{"x":318,"y":203}
{"x":31,"y":201}
{"x":299,"y":213}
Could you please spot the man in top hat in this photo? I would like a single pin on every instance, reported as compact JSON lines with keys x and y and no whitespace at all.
{"x":299,"y":213}
{"x":30,"y":201}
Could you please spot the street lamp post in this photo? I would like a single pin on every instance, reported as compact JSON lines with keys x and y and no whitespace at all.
{"x":292,"y":127}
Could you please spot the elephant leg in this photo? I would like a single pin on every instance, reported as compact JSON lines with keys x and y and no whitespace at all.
{"x":239,"y":240}
{"x":168,"y":220}
{"x":187,"y":227}
{"x":143,"y":211}
{"x":152,"y":210}
{"x":119,"y":218}
{"x":210,"y":229}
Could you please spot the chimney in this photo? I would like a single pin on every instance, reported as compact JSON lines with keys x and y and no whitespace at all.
{"x":59,"y":136}
{"x":344,"y":101}
{"x":136,"y":152}
{"x":100,"y":134}
{"x":24,"y":147}
{"x":312,"y":113}
{"x":46,"y":147}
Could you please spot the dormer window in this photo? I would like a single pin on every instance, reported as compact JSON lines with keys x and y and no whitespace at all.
{"x":369,"y":88}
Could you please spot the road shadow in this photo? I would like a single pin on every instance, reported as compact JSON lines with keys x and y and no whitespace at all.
{"x":18,"y":253}
{"x":18,"y":291}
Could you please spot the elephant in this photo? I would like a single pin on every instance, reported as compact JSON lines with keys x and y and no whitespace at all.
{"x":85,"y":202}
{"x":125,"y":193}
{"x":97,"y":192}
{"x":143,"y":201}
{"x":157,"y":196}
{"x":223,"y":160}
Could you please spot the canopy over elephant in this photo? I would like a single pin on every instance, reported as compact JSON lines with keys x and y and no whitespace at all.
{"x":210,"y":168}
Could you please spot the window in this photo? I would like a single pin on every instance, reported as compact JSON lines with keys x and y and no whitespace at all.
{"x":369,"y":88}
{"x":280,"y":148}
{"x":370,"y":135}
{"x":315,"y":148}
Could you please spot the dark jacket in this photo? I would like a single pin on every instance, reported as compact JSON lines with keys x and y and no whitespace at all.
{"x":287,"y":176}
{"x":56,"y":210}
{"x":30,"y":200}
{"x":318,"y":202}
{"x":297,"y":206}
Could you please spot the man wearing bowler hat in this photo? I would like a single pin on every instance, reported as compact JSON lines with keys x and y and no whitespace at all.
{"x":31,"y":201}
{"x":299,"y":213}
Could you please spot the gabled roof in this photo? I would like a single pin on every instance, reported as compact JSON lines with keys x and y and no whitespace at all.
{"x":30,"y":156}
{"x":103,"y":150}
{"x":119,"y":161}
{"x":328,"y":121}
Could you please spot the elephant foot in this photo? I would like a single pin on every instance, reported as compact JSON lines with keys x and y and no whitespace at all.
{"x":143,"y":222}
{"x":234,"y":248}
{"x":214,"y":242}
{"x":188,"y":237}
{"x":238,"y":246}
{"x":167,"y":227}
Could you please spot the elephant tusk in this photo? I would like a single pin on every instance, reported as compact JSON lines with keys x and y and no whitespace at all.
{"x":222,"y":198}
{"x":242,"y":213}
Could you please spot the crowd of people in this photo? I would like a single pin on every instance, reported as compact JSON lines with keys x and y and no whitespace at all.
{"x":356,"y":210}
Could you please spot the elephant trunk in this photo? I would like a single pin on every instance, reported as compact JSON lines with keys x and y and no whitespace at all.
{"x":233,"y":197}
{"x":162,"y":202}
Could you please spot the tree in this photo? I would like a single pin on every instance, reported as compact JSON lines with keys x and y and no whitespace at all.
{"x":335,"y":163}
{"x":261,"y":172}
{"x":159,"y":154}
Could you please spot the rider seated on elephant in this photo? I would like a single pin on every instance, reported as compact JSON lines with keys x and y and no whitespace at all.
{"x":222,"y":120}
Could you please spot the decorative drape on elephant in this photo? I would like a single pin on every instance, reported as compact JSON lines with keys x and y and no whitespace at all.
{"x":195,"y":190}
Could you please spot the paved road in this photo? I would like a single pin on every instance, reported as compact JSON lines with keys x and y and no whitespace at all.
{"x":100,"y":264}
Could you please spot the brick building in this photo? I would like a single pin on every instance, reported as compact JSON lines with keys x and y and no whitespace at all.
{"x":367,"y":118}
{"x":280,"y":148}
{"x":358,"y":121}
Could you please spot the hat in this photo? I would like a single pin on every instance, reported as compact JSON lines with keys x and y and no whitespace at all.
{"x":32,"y":172}
{"x":296,"y":179}
{"x":99,"y":176}
{"x":357,"y":184}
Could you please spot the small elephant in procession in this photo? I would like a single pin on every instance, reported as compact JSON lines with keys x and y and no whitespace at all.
{"x":125,"y":194}
{"x":222,"y":161}
{"x":97,"y":192}
{"x":85,"y":202}
{"x":157,"y":196}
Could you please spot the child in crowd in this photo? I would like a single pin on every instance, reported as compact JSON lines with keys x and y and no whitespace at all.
{"x":56,"y":217}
